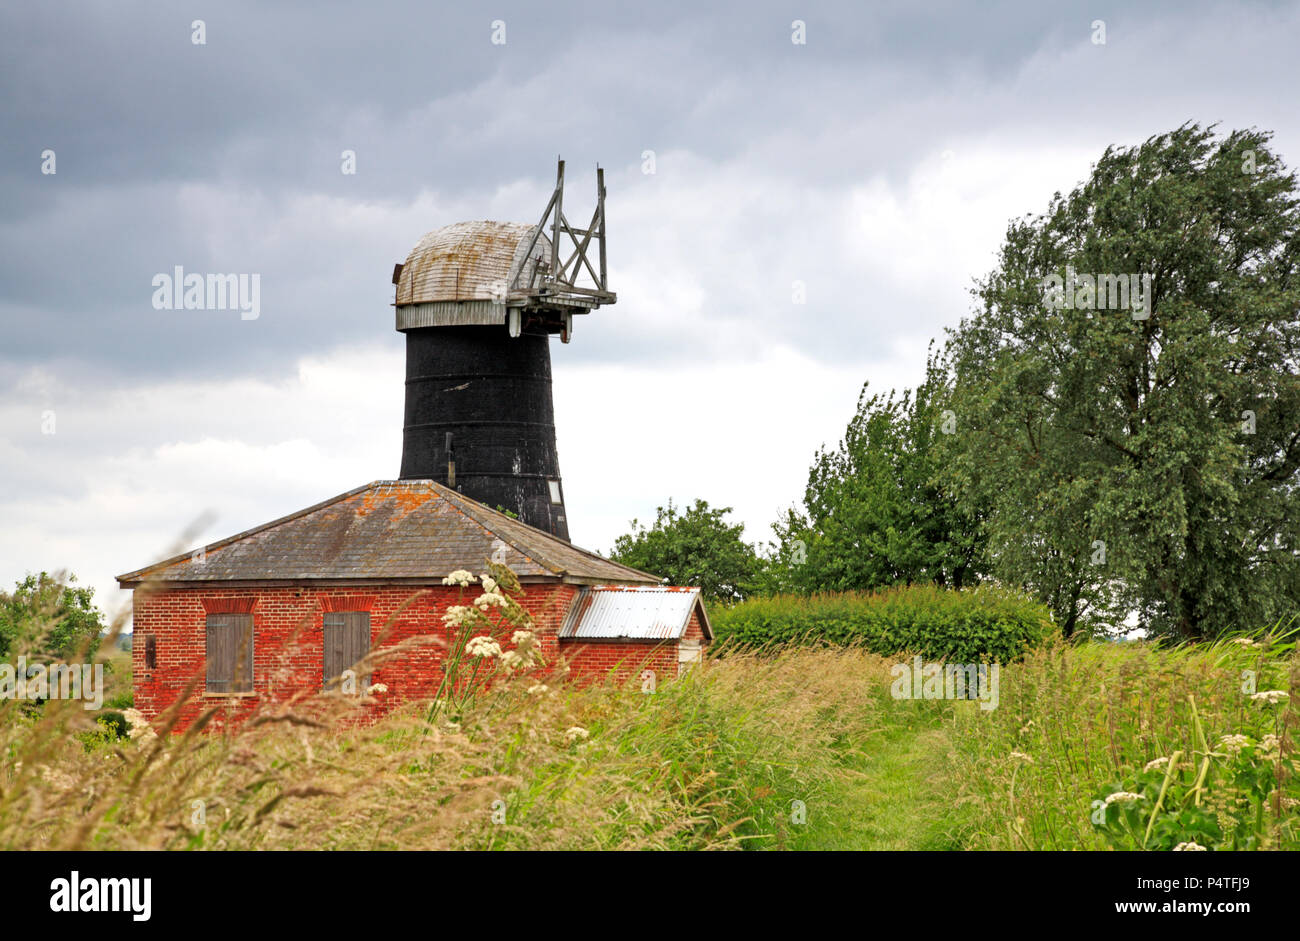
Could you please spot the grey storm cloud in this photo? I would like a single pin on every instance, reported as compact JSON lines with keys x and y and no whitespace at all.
{"x":213,"y":157}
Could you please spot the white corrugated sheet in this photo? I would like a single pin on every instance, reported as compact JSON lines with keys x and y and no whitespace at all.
{"x":632,"y":612}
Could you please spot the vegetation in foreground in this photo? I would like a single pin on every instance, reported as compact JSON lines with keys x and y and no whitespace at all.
{"x":1091,"y":746}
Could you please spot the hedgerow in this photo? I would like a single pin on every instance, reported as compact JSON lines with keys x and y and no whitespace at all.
{"x":972,"y":625}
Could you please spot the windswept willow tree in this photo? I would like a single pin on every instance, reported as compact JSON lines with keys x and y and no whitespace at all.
{"x":1144,"y":458}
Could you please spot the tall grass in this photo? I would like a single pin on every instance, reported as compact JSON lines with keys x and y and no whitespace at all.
{"x":793,"y":748}
{"x":715,"y":760}
{"x":1132,"y":746}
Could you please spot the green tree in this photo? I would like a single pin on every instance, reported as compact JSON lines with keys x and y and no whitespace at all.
{"x":1140,"y":454}
{"x":48,"y":615}
{"x":697,"y":547}
{"x":878,"y":510}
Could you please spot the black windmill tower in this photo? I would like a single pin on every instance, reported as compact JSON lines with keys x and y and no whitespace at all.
{"x":479,"y":302}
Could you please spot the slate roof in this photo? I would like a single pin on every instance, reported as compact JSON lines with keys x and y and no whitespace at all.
{"x":409,"y":530}
{"x":640,"y":612}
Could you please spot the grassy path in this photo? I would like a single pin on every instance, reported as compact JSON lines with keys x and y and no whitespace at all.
{"x":893,"y":797}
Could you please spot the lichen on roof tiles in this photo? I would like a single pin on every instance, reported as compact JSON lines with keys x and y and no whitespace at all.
{"x":388,"y":529}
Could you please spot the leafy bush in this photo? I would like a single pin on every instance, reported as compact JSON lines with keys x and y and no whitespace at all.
{"x":969,"y":626}
{"x":113,"y":723}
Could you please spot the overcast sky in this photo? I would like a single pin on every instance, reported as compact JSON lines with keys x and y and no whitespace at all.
{"x":878,"y":163}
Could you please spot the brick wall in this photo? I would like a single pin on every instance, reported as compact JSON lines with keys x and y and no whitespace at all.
{"x":288,"y":657}
{"x":592,"y":660}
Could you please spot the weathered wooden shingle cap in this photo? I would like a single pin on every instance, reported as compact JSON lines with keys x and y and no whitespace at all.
{"x":403,"y":531}
{"x":469,"y":261}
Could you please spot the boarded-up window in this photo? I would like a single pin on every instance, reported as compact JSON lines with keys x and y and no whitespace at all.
{"x":689,"y":653}
{"x":151,"y":652}
{"x":230,"y":653}
{"x":347,"y":641}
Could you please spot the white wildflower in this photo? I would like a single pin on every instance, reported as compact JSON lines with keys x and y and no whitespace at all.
{"x":1122,"y":797}
{"x":1021,"y":756}
{"x":1190,"y":846}
{"x":376,"y":688}
{"x":489,"y":583}
{"x":523,"y":638}
{"x":482,"y":646}
{"x":459,"y":577}
{"x":1232,"y":744}
{"x":1271,"y":696}
{"x":490,"y":599}
{"x":457,"y":615}
{"x":1246,"y":642}
{"x":1155,"y":763}
{"x":575,"y":734}
{"x":538,"y":689}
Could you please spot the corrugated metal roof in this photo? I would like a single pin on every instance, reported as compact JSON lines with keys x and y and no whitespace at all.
{"x":389,"y":529}
{"x":466,"y":260}
{"x":611,"y":612}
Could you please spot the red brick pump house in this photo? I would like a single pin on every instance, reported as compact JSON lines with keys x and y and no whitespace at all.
{"x":310,"y":594}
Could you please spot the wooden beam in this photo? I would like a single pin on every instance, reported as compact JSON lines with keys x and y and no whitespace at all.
{"x":559,"y":214}
{"x":600,"y":211}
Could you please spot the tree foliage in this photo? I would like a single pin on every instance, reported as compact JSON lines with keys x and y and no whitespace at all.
{"x":878,"y":510}
{"x":1144,"y":460}
{"x":696,"y":547}
{"x":48,"y":615}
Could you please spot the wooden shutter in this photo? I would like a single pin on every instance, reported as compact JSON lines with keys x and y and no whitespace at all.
{"x":346,"y":643}
{"x":230,"y":653}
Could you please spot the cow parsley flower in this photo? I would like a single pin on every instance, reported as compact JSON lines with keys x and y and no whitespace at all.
{"x":376,"y":688}
{"x":1191,"y":846}
{"x":577,"y":733}
{"x":1271,"y":696}
{"x":490,"y":599}
{"x":538,"y":689}
{"x":457,"y":615}
{"x":489,"y":583}
{"x":1233,"y":744}
{"x":459,"y":577}
{"x":1155,"y":763}
{"x":1122,"y":797}
{"x":482,"y":646}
